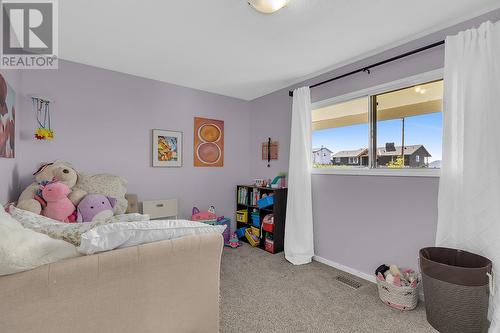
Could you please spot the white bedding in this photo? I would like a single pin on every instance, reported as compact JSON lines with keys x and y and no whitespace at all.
{"x":22,"y":249}
{"x":124,"y":234}
{"x":116,"y":232}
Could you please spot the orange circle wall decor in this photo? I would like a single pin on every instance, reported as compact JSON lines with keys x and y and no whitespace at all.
{"x":208,"y":142}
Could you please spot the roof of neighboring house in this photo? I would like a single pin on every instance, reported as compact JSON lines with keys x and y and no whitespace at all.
{"x":409,"y":150}
{"x":314,"y":150}
{"x":351,"y":153}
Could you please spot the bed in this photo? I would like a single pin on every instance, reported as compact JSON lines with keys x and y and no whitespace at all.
{"x":164,"y":286}
{"x":167,"y":286}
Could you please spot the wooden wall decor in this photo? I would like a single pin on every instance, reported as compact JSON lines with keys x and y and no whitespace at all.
{"x":270,"y":151}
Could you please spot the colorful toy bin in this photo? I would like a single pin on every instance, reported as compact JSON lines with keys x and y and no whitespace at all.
{"x":242,"y":216}
{"x":255,"y":231}
{"x":252,"y":239}
{"x":268,"y":223}
{"x":241,"y":232}
{"x":265,"y":202}
{"x":227,"y":232}
{"x":269,"y":245}
{"x":256,"y":219}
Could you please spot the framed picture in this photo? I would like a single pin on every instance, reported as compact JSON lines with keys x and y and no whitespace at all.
{"x":167,"y":148}
{"x":208,"y":142}
{"x":7,"y":119}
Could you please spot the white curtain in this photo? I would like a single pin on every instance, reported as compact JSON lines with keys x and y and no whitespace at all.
{"x":299,"y":246}
{"x":469,"y":189}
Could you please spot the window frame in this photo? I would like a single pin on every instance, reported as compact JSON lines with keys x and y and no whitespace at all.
{"x":371,"y":93}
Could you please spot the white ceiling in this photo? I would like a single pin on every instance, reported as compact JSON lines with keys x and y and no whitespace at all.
{"x":225,"y":47}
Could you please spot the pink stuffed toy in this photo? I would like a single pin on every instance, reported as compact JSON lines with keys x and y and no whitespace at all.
{"x":59,"y":207}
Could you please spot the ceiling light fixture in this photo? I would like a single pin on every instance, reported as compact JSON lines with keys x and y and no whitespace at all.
{"x":268,"y":6}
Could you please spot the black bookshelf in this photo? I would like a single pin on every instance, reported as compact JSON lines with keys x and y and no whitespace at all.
{"x":278,"y":209}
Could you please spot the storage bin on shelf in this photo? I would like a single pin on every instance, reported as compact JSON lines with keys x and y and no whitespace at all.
{"x":256,"y":219}
{"x":268,"y":223}
{"x":265,"y":201}
{"x":269,"y":245}
{"x":252,"y":239}
{"x":255,"y":231}
{"x":240,"y":232}
{"x":242,"y":216}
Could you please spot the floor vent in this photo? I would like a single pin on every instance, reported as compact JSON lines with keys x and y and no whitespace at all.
{"x":349,"y":282}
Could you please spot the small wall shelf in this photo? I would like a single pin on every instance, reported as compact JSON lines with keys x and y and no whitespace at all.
{"x":246,"y":196}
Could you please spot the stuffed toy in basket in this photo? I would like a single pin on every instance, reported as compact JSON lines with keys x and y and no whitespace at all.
{"x":397,"y":288}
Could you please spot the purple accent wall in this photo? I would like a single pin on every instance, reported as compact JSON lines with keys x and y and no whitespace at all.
{"x":103,"y":121}
{"x":361,"y":221}
{"x":9,"y":175}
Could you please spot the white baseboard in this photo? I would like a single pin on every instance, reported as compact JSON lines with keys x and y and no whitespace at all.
{"x":355,"y":272}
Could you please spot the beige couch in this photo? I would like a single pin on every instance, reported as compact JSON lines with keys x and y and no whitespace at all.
{"x":168,"y":286}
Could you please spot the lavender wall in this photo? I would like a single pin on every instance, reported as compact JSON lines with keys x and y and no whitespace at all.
{"x":9,"y":176}
{"x":372,"y":219}
{"x":103,"y":123}
{"x":103,"y":120}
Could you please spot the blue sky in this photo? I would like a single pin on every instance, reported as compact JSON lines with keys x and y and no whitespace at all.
{"x":423,"y":129}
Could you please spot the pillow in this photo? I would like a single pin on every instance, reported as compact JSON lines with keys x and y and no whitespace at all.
{"x":22,"y":249}
{"x":118,"y":235}
{"x":105,"y":184}
{"x":69,"y":232}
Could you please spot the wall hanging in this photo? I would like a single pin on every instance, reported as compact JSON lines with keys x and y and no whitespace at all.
{"x":208,"y":142}
{"x":167,"y":148}
{"x":7,"y":119}
{"x":270,"y":151}
{"x":41,"y":106}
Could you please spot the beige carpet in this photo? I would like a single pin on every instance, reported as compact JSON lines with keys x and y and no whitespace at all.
{"x":261,"y":292}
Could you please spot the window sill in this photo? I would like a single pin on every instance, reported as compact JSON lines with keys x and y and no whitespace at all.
{"x":434,"y":173}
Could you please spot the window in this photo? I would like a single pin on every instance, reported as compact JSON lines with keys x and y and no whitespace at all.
{"x":395,"y":129}
{"x":343,"y":128}
{"x":409,"y":127}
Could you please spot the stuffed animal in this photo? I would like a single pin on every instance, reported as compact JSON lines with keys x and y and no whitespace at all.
{"x":59,"y":207}
{"x":95,"y":207}
{"x":64,"y":172}
{"x":105,"y":184}
{"x":204,"y":216}
{"x":233,"y":241}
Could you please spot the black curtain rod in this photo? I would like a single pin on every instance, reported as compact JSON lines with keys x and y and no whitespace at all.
{"x":367,"y":68}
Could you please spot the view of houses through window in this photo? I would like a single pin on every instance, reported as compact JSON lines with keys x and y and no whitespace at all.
{"x":407,"y":123}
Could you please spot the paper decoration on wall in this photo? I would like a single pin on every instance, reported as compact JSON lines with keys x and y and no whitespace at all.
{"x":41,"y":106}
{"x":208,"y":142}
{"x":270,"y":151}
{"x":7,"y":119}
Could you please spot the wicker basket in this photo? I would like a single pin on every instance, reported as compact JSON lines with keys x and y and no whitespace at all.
{"x":401,"y":298}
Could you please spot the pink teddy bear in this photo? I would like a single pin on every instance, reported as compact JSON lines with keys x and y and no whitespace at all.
{"x":59,"y":207}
